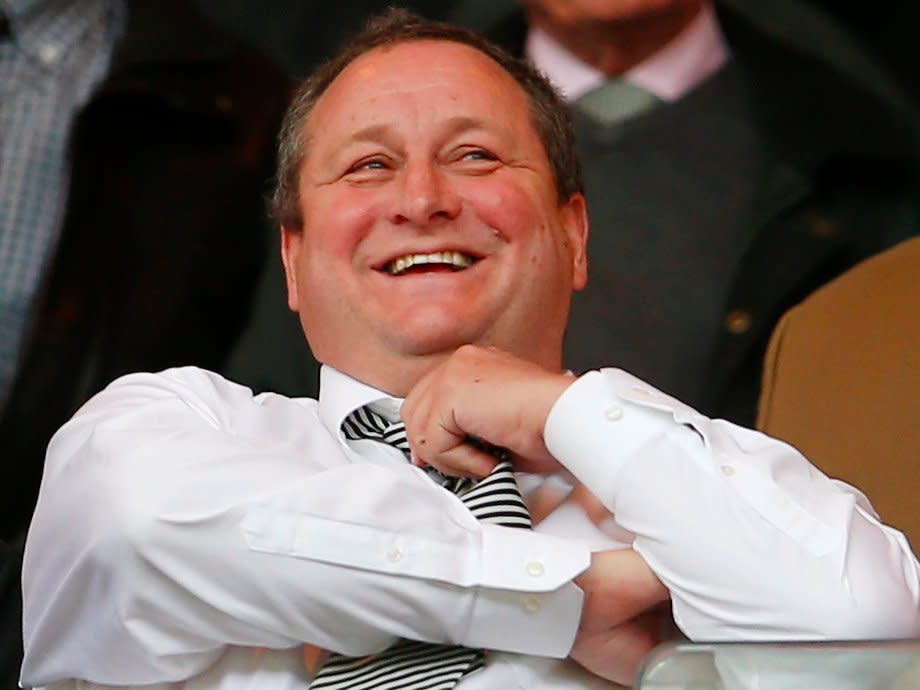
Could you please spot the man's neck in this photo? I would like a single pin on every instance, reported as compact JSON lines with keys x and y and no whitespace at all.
{"x":396,"y":374}
{"x":392,"y":375}
{"x":615,"y":46}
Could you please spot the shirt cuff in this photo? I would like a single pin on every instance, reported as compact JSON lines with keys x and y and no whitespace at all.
{"x":534,"y":623}
{"x":602,"y":421}
{"x":528,"y":603}
{"x":528,"y":561}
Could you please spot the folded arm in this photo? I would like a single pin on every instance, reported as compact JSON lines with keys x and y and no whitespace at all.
{"x":751,"y":540}
{"x":179,"y":515}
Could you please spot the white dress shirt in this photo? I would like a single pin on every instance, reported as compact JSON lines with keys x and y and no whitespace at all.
{"x":675,"y":69}
{"x":190,"y":535}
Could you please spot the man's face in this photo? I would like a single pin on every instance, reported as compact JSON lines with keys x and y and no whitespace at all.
{"x":431,"y":218}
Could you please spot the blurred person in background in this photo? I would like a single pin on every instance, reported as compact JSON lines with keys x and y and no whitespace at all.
{"x":136,"y":141}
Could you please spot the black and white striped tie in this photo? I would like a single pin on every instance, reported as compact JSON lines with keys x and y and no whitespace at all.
{"x":410,"y":665}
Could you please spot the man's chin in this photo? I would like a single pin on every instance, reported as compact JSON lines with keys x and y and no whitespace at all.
{"x":430,"y":345}
{"x":431,"y":332}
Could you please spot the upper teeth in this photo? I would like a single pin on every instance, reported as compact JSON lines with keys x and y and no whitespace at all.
{"x":453,"y":258}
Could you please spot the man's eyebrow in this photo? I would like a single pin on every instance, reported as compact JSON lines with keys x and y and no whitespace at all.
{"x":383,"y":132}
{"x":462,"y":123}
{"x":453,"y":125}
{"x":371,"y":133}
{"x":376,"y":133}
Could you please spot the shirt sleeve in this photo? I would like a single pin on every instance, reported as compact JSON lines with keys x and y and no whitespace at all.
{"x":179,"y":515}
{"x":753,"y":542}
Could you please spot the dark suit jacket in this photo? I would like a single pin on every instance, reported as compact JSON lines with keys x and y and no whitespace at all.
{"x":164,"y":234}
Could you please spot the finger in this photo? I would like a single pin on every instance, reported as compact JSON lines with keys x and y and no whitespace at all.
{"x":542,"y":463}
{"x":463,"y":460}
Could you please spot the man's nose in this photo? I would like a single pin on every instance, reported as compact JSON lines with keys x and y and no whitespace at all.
{"x":426,"y":196}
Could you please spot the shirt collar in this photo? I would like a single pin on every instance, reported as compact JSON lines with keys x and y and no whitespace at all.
{"x":340,"y":395}
{"x":671,"y":72}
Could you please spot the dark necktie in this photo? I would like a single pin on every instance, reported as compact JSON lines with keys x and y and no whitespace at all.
{"x":423,"y":665}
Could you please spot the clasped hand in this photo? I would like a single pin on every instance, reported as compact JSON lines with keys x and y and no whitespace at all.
{"x":487,"y":394}
{"x":504,"y":401}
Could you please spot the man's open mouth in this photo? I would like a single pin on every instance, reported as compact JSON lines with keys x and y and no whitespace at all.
{"x":456,"y":261}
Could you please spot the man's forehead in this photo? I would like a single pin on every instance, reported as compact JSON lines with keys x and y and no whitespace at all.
{"x":430,"y":62}
{"x":415,"y":68}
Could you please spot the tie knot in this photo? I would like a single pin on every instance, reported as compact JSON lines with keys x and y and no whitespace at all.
{"x":365,"y":423}
{"x":616,"y":100}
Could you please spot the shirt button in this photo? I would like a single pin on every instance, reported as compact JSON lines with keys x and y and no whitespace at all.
{"x":728,"y":470}
{"x":614,"y":412}
{"x":531,"y":604}
{"x":394,"y":555}
{"x":49,"y":53}
{"x":535,"y":569}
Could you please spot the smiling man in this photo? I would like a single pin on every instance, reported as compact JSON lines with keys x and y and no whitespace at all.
{"x":403,"y":166}
{"x":191,"y":535}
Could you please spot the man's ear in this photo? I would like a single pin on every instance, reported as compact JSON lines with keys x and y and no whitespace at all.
{"x":574,"y":214}
{"x":291,"y":246}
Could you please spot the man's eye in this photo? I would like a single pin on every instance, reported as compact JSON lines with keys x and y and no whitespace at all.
{"x":373,"y":169}
{"x":369,"y":164}
{"x":479,"y":155}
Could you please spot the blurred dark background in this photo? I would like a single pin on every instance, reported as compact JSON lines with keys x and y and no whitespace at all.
{"x":298,"y":33}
